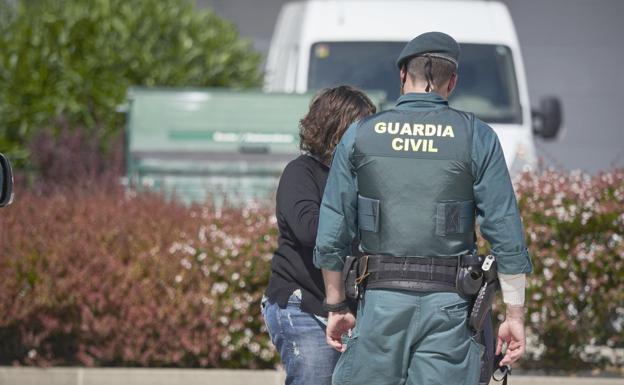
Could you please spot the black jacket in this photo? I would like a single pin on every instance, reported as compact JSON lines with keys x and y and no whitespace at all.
{"x":299,"y":197}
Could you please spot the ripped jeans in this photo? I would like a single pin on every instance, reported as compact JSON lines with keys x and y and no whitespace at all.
{"x":300,"y":339}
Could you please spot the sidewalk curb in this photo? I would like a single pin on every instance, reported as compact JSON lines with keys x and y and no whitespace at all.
{"x":157,"y":376}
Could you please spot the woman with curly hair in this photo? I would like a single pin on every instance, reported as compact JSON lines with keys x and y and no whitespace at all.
{"x":292,"y":308}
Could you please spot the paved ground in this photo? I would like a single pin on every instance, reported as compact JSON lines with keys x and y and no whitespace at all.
{"x":132,"y":376}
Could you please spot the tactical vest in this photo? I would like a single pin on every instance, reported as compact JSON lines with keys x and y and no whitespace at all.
{"x":415,"y":182}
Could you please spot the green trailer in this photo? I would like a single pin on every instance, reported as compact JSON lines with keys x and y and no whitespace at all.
{"x":218,"y":144}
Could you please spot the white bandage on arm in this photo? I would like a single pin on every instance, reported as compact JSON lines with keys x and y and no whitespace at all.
{"x":512,"y":286}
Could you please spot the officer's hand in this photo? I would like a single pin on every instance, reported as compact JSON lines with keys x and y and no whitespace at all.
{"x":339,"y":323}
{"x":511,"y":331}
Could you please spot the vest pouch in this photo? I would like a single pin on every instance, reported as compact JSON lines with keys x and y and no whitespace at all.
{"x":368,"y":214}
{"x":455,"y":218}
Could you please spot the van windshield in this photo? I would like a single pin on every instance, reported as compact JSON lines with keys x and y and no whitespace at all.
{"x":487,"y":81}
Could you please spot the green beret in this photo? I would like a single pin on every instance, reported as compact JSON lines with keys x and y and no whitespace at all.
{"x":436,"y":44}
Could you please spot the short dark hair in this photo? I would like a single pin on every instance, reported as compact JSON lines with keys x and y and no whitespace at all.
{"x":441,"y":70}
{"x":331,"y":112}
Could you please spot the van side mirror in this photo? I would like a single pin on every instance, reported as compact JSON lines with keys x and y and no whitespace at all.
{"x":6,"y":181}
{"x":547,"y":119}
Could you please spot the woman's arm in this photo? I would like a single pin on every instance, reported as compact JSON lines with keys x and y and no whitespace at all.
{"x":298,"y":201}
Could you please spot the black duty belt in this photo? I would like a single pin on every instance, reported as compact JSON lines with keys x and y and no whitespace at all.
{"x":424,"y":274}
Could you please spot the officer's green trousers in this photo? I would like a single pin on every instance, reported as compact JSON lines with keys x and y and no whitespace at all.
{"x":410,"y":338}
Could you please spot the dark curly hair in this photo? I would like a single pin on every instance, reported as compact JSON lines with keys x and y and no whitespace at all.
{"x":331,"y":112}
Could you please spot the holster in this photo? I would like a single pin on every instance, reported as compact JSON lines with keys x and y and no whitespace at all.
{"x":487,"y":338}
{"x":349,"y":274}
{"x":354,"y":274}
{"x":484,"y":299}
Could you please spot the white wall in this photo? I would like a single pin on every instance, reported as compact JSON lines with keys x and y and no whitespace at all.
{"x":574,"y":49}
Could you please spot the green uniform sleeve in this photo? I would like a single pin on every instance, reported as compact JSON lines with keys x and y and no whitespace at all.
{"x":497,"y":209}
{"x":338,"y":214}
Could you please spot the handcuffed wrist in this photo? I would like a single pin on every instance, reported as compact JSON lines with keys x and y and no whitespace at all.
{"x":335,"y":307}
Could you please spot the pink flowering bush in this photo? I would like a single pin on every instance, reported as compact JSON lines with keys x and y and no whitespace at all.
{"x":574,"y":226}
{"x":100,"y":276}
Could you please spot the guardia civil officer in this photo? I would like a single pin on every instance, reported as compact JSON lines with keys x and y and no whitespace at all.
{"x":411,"y":181}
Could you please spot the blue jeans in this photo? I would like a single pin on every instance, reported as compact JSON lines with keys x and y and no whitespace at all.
{"x":300,"y":339}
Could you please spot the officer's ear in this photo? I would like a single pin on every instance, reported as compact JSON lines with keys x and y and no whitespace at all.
{"x":403,"y":74}
{"x":452,"y":83}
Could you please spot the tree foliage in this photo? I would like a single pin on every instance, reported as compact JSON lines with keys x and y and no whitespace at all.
{"x":74,"y":60}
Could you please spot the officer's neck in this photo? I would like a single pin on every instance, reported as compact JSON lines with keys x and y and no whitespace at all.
{"x":422,"y":89}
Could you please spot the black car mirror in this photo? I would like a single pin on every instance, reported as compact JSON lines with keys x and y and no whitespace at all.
{"x":6,"y":181}
{"x":547,"y":119}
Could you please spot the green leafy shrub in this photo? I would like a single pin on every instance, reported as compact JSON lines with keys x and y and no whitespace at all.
{"x":103,"y":277}
{"x":74,"y":60}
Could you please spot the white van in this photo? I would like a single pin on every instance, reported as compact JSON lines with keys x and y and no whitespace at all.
{"x":317,"y":44}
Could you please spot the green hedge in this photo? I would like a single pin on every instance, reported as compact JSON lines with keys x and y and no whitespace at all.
{"x":73,"y":60}
{"x":105,"y":277}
